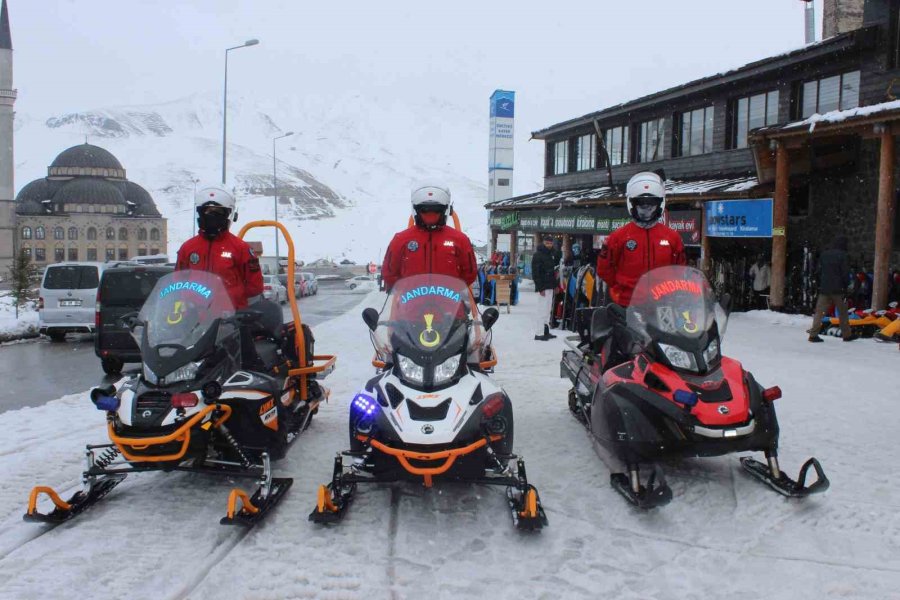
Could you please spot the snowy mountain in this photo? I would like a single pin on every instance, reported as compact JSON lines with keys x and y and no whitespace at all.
{"x":343,"y":176}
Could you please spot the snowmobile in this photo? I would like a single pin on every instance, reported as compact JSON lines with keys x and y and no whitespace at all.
{"x":198,"y":405}
{"x":431,"y":411}
{"x":674,"y":395}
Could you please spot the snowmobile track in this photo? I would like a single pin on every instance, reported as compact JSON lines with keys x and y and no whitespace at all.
{"x":393,"y":526}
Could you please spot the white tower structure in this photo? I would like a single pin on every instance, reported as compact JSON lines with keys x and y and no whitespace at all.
{"x":500,"y":147}
{"x":7,"y":167}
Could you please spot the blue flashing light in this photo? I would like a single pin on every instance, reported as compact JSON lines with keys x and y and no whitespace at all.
{"x":107,"y":403}
{"x":364,"y":404}
{"x":685,"y":397}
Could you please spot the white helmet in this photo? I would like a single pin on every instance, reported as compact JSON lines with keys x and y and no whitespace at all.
{"x":214,"y":194}
{"x":434,"y":195}
{"x":645,"y":198}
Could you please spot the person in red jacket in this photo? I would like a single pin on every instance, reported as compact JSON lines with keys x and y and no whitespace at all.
{"x":429,"y":246}
{"x":641,"y":245}
{"x":217,"y":250}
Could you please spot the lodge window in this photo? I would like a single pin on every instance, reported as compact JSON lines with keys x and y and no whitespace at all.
{"x":26,"y":251}
{"x":26,"y":233}
{"x":58,"y":233}
{"x":40,"y":254}
{"x":154,"y":234}
{"x":650,"y":143}
{"x":838,"y":92}
{"x":110,"y":254}
{"x":155,"y":251}
{"x":693,"y":132}
{"x":73,"y":233}
{"x":110,"y":233}
{"x":500,"y":182}
{"x":586,"y":152}
{"x":561,"y":157}
{"x":142,"y":233}
{"x":142,"y":252}
{"x":123,"y":253}
{"x":749,"y":113}
{"x":617,"y":142}
{"x":59,"y":254}
{"x":39,"y":233}
{"x":123,"y":233}
{"x":73,"y":254}
{"x":92,"y":233}
{"x":92,"y":254}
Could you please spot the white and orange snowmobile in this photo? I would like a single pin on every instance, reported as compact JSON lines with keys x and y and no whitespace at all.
{"x":198,"y":405}
{"x":431,"y":412}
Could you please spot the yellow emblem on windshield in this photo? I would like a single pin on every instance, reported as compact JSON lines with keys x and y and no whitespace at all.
{"x":174,"y":318}
{"x":429,"y":338}
{"x":689,"y":326}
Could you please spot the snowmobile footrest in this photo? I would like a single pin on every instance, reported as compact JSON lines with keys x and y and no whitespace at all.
{"x":254,"y":510}
{"x":527,"y":511}
{"x":650,"y":496}
{"x":78,"y":503}
{"x":783,"y":484}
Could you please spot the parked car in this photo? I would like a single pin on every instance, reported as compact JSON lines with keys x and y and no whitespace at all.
{"x":361,"y":282}
{"x":309,"y":284}
{"x":67,"y":298}
{"x":273,"y":290}
{"x":123,"y":290}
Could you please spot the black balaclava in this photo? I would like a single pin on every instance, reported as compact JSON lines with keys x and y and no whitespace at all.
{"x":212,"y":223}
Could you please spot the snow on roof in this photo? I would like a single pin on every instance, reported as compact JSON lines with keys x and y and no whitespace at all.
{"x":673,"y":188}
{"x":838,"y":116}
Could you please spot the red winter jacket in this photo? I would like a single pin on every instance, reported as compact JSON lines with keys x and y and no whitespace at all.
{"x":229,"y":257}
{"x":416,"y":251}
{"x":630,"y":251}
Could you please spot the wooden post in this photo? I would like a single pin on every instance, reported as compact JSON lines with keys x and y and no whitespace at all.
{"x":779,"y":227}
{"x":513,"y":247}
{"x":493,"y":248}
{"x":884,"y":223}
{"x":705,"y":258}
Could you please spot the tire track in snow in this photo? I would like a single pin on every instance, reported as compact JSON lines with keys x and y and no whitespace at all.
{"x":209,"y":563}
{"x":393,"y":526}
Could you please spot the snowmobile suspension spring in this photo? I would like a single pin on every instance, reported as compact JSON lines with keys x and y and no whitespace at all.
{"x":245,"y":462}
{"x":106,"y":457}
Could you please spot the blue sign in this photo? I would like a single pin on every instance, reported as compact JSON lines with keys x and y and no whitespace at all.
{"x":739,"y":218}
{"x":503,"y":104}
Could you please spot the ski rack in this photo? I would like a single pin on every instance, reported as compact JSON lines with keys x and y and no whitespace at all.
{"x":325,"y":362}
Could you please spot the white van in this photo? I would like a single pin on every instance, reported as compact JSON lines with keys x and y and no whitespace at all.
{"x":68,"y":298}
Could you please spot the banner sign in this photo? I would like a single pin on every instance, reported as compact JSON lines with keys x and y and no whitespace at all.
{"x":598,"y":221}
{"x":739,"y":218}
{"x":500,"y":145}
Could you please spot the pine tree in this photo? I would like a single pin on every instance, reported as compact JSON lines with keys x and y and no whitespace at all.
{"x":23,"y":275}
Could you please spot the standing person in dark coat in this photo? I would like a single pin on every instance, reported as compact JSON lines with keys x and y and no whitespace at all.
{"x":834,"y":267}
{"x":542,"y":272}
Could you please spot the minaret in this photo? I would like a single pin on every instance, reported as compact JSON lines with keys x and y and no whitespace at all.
{"x":7,"y":167}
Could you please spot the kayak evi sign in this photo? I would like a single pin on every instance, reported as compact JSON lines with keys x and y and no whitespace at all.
{"x":739,"y":218}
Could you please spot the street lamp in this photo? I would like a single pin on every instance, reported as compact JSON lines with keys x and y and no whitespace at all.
{"x":225,"y":102}
{"x":275,"y":188}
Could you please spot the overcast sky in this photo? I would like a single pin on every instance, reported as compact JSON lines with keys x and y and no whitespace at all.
{"x":563,"y":58}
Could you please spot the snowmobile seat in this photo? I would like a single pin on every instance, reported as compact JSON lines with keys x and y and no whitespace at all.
{"x":270,"y":321}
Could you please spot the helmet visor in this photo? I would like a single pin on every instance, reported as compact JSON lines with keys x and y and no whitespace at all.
{"x":646,"y":208}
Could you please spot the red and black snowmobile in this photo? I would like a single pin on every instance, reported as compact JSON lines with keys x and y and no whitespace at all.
{"x":671,"y":393}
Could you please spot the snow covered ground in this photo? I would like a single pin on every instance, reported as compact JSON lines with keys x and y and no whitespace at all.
{"x":12,"y":327}
{"x":723,"y":536}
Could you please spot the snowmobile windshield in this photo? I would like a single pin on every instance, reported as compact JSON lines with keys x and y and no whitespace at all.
{"x":429,"y":319}
{"x":183,"y":310}
{"x":675,"y":305}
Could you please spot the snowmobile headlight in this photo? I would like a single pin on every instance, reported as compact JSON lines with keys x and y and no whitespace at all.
{"x":711,"y":354}
{"x":410,"y":370}
{"x":183,"y":373}
{"x":679,"y":358}
{"x":447,"y":369}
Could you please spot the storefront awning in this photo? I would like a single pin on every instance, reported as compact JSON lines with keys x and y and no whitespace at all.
{"x":675,"y":190}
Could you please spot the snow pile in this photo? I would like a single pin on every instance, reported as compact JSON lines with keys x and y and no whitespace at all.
{"x":723,"y":536}
{"x":838,"y":116}
{"x":11,"y":327}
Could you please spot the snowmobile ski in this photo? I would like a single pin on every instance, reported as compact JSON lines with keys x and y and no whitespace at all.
{"x":654,"y":494}
{"x":332,"y":499}
{"x":784,"y":485}
{"x":74,"y":506}
{"x":525,"y":503}
{"x":253,"y":510}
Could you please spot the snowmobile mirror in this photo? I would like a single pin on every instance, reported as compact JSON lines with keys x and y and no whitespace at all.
{"x":370,"y":316}
{"x":489,"y":317}
{"x":601,"y":326}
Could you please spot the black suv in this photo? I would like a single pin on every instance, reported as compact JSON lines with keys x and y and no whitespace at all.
{"x":123,"y":289}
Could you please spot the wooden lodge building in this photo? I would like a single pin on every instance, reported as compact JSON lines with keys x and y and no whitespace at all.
{"x":802,"y":141}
